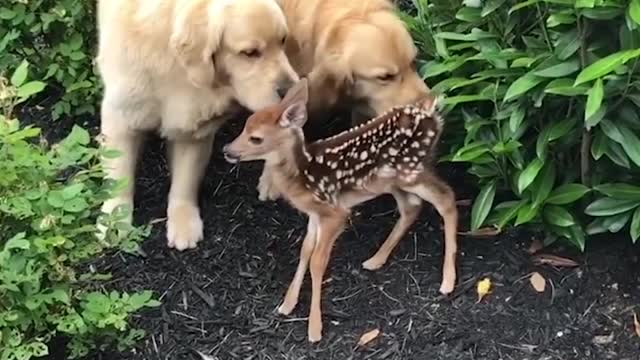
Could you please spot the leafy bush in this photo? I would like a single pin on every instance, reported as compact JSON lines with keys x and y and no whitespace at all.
{"x":49,"y":205}
{"x":58,"y":37}
{"x":543,"y":106}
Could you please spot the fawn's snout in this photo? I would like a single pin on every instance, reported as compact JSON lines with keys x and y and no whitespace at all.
{"x":229,"y":155}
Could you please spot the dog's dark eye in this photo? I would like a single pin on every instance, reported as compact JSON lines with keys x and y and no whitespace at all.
{"x":255,"y":140}
{"x":252,"y":53}
{"x":386,"y":77}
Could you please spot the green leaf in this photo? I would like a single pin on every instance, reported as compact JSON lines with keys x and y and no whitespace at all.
{"x":30,"y":88}
{"x":585,"y":3}
{"x":634,"y":11}
{"x":594,"y":100}
{"x":631,"y":145}
{"x":522,"y":5}
{"x":567,"y":44}
{"x":482,"y":205}
{"x":491,"y":6}
{"x":526,"y":214}
{"x":516,"y":118}
{"x":72,"y":191}
{"x":620,"y":191}
{"x":634,"y":230}
{"x":544,"y":183}
{"x":470,"y":152}
{"x":559,"y":70}
{"x":606,"y":65}
{"x":522,"y":85}
{"x":75,"y":205}
{"x":20,"y":74}
{"x":567,"y":194}
{"x":577,"y":236}
{"x":55,"y":199}
{"x":610,"y":206}
{"x":558,"y":216}
{"x":615,"y":223}
{"x":597,"y":117}
{"x":565,"y":87}
{"x":529,"y":174}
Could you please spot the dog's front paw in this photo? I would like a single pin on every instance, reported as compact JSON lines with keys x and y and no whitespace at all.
{"x":184,"y":227}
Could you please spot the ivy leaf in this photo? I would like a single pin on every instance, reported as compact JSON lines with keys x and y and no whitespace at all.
{"x":567,"y":194}
{"x":529,"y":174}
{"x":610,"y":206}
{"x":482,"y":205}
{"x":594,"y":101}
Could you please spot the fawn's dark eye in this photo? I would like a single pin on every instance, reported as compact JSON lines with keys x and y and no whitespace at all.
{"x":255,"y":140}
{"x":387,"y":77}
{"x":252,"y":53}
{"x":284,"y":38}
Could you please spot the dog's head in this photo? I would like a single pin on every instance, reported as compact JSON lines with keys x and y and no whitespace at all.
{"x":235,"y":43}
{"x":369,"y":60}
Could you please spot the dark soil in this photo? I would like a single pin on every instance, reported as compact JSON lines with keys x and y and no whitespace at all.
{"x":220,"y":299}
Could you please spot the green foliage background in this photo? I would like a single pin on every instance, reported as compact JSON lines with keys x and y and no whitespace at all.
{"x":543,"y":103}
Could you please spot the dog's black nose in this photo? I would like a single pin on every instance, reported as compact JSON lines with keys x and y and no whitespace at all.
{"x":283,"y":87}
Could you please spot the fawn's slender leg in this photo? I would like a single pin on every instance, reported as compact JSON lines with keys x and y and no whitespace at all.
{"x":291,"y":298}
{"x":329,"y":228}
{"x":409,"y":206}
{"x":432,"y":189}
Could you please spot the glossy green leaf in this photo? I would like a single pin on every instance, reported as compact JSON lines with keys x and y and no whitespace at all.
{"x":620,"y":191}
{"x":529,"y":174}
{"x":585,"y":3}
{"x":595,"y":119}
{"x":559,"y":70}
{"x":615,"y":223}
{"x":616,"y":153}
{"x":606,"y":65}
{"x":526,"y":213}
{"x":558,"y":216}
{"x":567,"y":194}
{"x":482,"y":205}
{"x":522,"y":85}
{"x":516,"y":118}
{"x":634,"y":229}
{"x":610,"y":206}
{"x":543,"y":185}
{"x":565,"y":87}
{"x":20,"y":74}
{"x":522,"y":5}
{"x":594,"y":100}
{"x":567,"y":44}
{"x":634,"y":11}
{"x":491,"y":6}
{"x":470,"y":152}
{"x":577,"y":236}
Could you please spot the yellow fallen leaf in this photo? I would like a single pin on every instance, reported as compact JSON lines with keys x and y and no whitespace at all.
{"x":484,"y":286}
{"x":538,"y":282}
{"x":636,"y":324}
{"x":368,"y":336}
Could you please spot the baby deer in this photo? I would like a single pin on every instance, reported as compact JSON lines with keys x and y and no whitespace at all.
{"x":327,"y":178}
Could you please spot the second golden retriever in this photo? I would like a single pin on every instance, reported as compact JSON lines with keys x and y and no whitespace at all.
{"x":356,"y":54}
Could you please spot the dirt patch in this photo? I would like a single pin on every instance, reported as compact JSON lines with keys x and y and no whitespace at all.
{"x":221,"y":298}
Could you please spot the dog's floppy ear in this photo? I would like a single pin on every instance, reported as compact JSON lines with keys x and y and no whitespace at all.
{"x":331,"y":78}
{"x":196,"y":36}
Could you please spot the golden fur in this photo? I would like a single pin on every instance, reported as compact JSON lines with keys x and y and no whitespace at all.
{"x":356,"y":53}
{"x":177,"y":67}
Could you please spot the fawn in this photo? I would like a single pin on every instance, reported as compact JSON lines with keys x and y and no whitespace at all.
{"x":391,"y":153}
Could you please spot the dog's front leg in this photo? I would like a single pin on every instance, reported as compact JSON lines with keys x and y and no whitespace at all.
{"x":188,"y":159}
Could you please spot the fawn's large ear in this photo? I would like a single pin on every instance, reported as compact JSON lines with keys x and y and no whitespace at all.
{"x":295,"y":102}
{"x":432,"y":103}
{"x":196,"y":36}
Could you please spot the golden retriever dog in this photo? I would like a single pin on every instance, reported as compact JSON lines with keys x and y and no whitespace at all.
{"x":357,"y":55}
{"x":180,"y":68}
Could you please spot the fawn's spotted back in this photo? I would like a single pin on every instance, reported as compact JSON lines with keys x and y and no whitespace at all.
{"x":397,"y":144}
